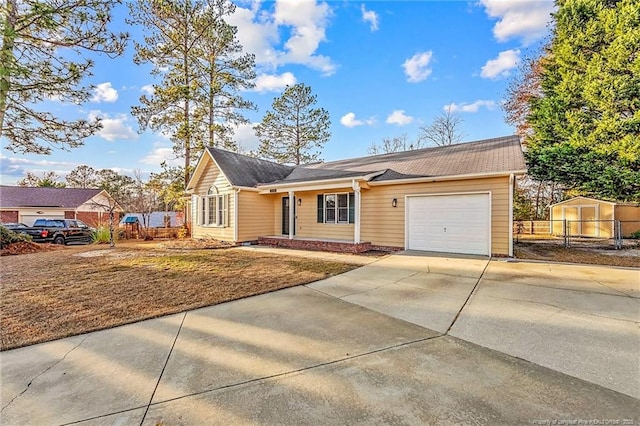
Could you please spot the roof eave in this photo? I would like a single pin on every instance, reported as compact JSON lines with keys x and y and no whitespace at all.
{"x":450,"y":177}
{"x":308,"y":185}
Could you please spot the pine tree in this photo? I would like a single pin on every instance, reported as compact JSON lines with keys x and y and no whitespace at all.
{"x":39,"y":40}
{"x":294,"y":130}
{"x":198,"y":59}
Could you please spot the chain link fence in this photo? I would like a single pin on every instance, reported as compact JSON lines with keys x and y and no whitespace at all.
{"x":581,"y":233}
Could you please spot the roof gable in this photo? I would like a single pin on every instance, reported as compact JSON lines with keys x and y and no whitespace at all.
{"x":23,"y":196}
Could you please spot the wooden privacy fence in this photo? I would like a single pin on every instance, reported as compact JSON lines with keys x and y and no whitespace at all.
{"x":532,"y":227}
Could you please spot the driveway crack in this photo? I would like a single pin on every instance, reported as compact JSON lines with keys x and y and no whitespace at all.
{"x":173,"y":345}
{"x":468,"y":297}
{"x":43,"y":372}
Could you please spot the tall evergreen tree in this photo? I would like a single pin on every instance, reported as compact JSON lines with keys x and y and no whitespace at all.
{"x":222,"y":72}
{"x":198,"y":59}
{"x":585,"y":123}
{"x":293,"y":131}
{"x":39,"y":39}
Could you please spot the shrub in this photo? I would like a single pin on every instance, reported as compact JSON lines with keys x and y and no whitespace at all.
{"x":7,"y":237}
{"x":101,"y":235}
{"x":635,"y":235}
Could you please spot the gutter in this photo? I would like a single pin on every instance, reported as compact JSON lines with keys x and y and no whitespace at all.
{"x":446,"y":178}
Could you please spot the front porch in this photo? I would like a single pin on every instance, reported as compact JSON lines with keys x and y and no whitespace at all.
{"x":340,"y":246}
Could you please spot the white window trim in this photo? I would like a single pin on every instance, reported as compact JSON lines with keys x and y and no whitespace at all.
{"x":336,"y":209}
{"x":217,"y":218}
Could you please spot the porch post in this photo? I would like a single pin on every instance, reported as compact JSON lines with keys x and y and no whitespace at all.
{"x":356,"y":227}
{"x":292,"y":219}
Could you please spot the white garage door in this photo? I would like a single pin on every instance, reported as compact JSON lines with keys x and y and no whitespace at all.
{"x":449,"y":223}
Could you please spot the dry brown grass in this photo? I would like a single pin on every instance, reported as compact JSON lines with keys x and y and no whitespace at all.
{"x":558,"y":253}
{"x":49,"y":295}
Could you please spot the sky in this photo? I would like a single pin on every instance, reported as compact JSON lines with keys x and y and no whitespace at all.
{"x":380,"y":68}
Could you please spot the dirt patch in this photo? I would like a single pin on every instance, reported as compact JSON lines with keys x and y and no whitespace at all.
{"x":53,"y":294}
{"x":554,"y":251}
{"x":193,"y":244}
{"x":26,"y":247}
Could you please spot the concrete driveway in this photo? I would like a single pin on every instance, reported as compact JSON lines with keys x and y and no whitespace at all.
{"x":380,"y":344}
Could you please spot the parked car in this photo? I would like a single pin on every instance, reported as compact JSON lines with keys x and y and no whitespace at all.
{"x":60,"y":231}
{"x":14,"y":225}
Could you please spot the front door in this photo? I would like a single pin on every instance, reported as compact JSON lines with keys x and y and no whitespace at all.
{"x":285,"y":216}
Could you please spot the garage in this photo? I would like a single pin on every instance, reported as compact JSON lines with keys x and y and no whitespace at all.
{"x":452,"y":223}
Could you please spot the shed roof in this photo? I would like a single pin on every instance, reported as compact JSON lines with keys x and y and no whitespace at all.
{"x":25,"y":196}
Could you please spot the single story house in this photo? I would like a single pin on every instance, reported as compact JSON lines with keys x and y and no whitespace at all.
{"x":155,"y":219}
{"x":590,"y":217}
{"x":455,"y":199}
{"x":26,"y":204}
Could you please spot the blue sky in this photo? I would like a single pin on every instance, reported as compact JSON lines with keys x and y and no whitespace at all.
{"x":381,"y":69}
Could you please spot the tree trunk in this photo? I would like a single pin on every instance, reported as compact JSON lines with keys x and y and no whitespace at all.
{"x":6,"y":56}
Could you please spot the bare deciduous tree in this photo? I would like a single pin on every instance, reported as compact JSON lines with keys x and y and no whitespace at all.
{"x":444,"y":130}
{"x":395,"y":144}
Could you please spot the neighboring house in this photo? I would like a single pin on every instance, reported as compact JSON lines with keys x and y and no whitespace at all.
{"x":589,"y":217}
{"x":156,"y":219}
{"x":454,"y":199}
{"x":26,"y":204}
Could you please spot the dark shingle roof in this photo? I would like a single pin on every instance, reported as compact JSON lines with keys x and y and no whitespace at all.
{"x":242,"y":170}
{"x":20,"y":196}
{"x":486,"y":156}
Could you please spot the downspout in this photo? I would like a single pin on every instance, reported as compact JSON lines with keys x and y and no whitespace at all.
{"x":356,"y":228}
{"x":235,"y":215}
{"x":512,"y":183}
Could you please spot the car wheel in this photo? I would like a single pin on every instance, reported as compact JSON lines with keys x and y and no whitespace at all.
{"x":59,"y":240}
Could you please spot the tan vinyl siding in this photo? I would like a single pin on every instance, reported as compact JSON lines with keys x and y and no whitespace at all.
{"x":384,"y":225}
{"x":307,"y":225}
{"x":213,"y":176}
{"x":254,"y":215}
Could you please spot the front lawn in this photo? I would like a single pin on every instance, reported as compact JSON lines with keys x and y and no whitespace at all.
{"x":49,"y":295}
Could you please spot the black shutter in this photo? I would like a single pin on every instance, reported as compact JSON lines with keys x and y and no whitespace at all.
{"x":320,"y":208}
{"x":352,"y":207}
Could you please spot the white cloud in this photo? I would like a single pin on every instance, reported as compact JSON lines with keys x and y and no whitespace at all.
{"x":148,"y":89}
{"x":349,"y":120}
{"x":369,"y":16}
{"x":399,"y":118}
{"x":114,"y":127}
{"x":526,"y":19}
{"x":304,"y":20}
{"x":417,"y":67}
{"x":274,"y":83}
{"x":162,"y":152}
{"x":502,"y":65}
{"x":103,"y":92}
{"x":470,"y":107}
{"x":246,"y":137}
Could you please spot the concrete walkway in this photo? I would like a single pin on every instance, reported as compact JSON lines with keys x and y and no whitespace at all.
{"x":334,"y":352}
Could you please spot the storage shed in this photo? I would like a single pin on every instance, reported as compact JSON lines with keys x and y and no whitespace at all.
{"x":590,"y":217}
